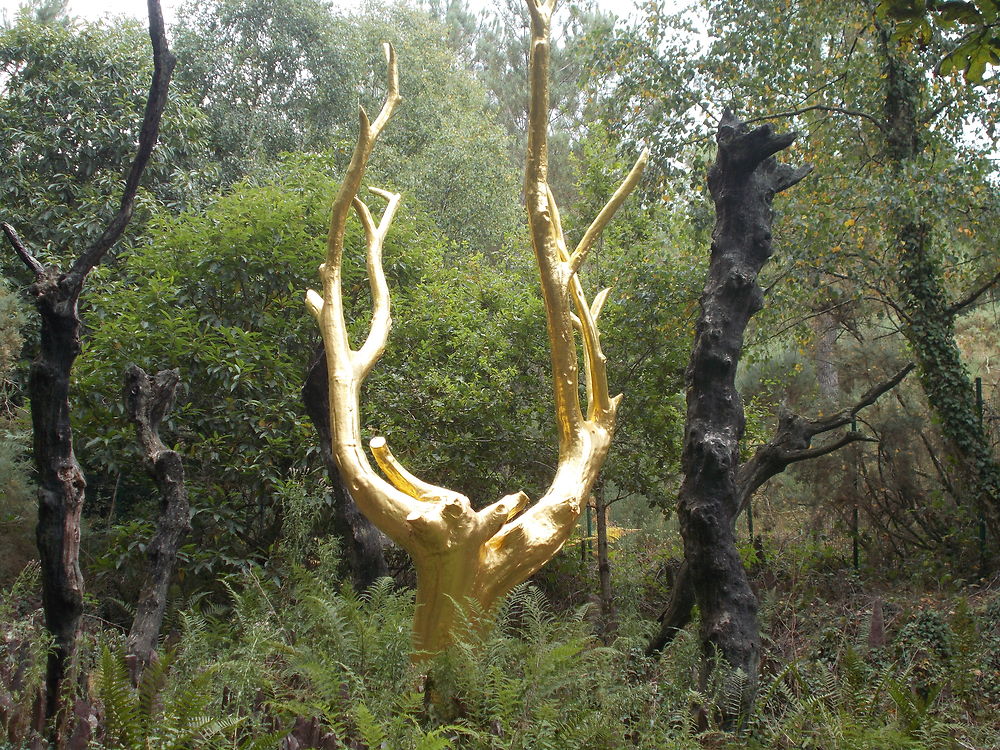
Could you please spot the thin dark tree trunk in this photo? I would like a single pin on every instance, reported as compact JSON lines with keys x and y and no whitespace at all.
{"x":608,"y":614}
{"x":792,"y":442}
{"x":363,"y":544}
{"x":147,"y":401}
{"x":743,"y":181}
{"x":61,"y":482}
{"x":827,"y":376}
{"x":677,"y":614}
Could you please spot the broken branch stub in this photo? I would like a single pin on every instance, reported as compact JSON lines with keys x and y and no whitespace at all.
{"x":461,"y":553}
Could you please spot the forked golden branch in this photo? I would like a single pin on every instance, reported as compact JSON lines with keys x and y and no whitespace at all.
{"x":460,"y":553}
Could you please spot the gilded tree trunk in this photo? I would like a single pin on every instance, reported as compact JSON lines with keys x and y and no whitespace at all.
{"x":459,"y":553}
{"x":363,"y":543}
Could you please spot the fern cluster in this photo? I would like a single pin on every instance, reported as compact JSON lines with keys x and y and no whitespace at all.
{"x":521,"y":677}
{"x":293,"y":663}
{"x":146,"y":717}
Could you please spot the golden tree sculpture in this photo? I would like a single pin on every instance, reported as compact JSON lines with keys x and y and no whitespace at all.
{"x":460,"y":553}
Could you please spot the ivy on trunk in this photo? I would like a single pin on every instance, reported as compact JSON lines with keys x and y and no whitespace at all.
{"x":928,"y":312}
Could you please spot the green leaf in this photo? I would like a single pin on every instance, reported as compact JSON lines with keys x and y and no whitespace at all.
{"x":963,"y":12}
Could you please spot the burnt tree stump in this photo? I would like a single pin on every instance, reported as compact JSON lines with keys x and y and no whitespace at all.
{"x":147,"y":401}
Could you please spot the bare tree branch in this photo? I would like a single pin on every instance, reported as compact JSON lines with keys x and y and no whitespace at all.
{"x":846,"y":439}
{"x":792,"y":441}
{"x":975,"y":294}
{"x":163,"y":67}
{"x":23,"y":253}
{"x":821,"y":108}
{"x":870,"y":396}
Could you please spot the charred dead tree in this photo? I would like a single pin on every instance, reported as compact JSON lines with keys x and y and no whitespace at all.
{"x":363,"y":544}
{"x":743,"y":182}
{"x":147,"y":401}
{"x":792,"y":442}
{"x":61,"y":483}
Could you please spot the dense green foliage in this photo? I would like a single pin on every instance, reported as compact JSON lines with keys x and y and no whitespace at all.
{"x":218,"y":293}
{"x":844,"y":301}
{"x":969,"y":28}
{"x":72,"y":106}
{"x":15,"y":483}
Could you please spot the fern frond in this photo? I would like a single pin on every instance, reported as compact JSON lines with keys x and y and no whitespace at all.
{"x":124,"y":720}
{"x":152,"y":682}
{"x":369,"y":728}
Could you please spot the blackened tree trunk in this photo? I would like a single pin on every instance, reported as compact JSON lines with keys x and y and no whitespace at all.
{"x":363,"y":543}
{"x":608,"y":614}
{"x":147,"y":401}
{"x":929,"y":313}
{"x":61,"y":482}
{"x":792,"y":442}
{"x":742,"y":182}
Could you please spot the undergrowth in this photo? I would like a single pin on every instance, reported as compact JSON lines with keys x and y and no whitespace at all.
{"x":301,"y":665}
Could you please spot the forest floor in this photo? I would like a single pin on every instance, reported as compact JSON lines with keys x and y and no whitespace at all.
{"x":278,"y":659}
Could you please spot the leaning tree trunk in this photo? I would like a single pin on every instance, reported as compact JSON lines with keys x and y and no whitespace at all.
{"x":60,"y":480}
{"x":364,"y":544}
{"x":743,"y":182}
{"x":929,"y":313}
{"x":147,"y":401}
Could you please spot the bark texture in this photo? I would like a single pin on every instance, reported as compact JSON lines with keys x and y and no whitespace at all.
{"x":61,"y":483}
{"x":791,"y":443}
{"x":147,"y":401}
{"x":363,"y":543}
{"x":743,"y":182}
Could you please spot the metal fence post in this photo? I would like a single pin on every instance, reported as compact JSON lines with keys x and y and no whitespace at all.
{"x":982,"y":518}
{"x":855,"y":552}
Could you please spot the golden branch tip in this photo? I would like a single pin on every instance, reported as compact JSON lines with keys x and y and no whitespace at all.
{"x":598,"y":304}
{"x":314,"y":301}
{"x":400,"y":478}
{"x":610,"y":209}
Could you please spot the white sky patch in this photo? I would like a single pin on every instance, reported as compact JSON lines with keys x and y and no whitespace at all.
{"x":94,"y":9}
